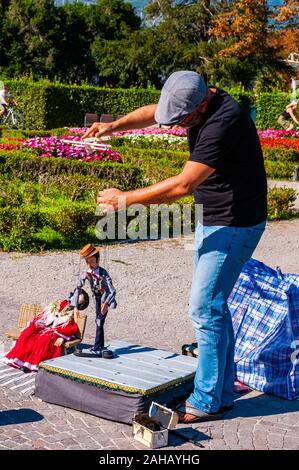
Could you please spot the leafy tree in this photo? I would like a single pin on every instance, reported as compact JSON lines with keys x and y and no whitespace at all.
{"x":288,"y":14}
{"x":30,"y":32}
{"x":74,"y":62}
{"x":112,"y":19}
{"x":285,"y":35}
{"x":246,"y":21}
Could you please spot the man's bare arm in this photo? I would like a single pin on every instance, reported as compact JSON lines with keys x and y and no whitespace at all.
{"x":137,"y":119}
{"x":171,"y":189}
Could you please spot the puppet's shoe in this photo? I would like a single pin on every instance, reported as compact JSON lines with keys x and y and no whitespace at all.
{"x":106,"y":353}
{"x":90,"y":352}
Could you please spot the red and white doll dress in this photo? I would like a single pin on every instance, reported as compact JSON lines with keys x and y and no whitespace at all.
{"x":37,"y":341}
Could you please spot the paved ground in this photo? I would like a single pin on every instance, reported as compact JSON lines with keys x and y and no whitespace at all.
{"x":152,"y":279}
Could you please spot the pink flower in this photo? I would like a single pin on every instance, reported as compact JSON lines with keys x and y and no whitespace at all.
{"x":54,"y":147}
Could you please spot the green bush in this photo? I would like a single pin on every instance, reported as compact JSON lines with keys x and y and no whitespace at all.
{"x":25,"y":134}
{"x":70,"y":220}
{"x":281,"y":203}
{"x":15,"y":193}
{"x":279,"y":169}
{"x":73,"y":187}
{"x":155,"y":164}
{"x":283,"y":155}
{"x":160,"y":164}
{"x":269,"y":107}
{"x":22,"y":220}
{"x":46,"y":105}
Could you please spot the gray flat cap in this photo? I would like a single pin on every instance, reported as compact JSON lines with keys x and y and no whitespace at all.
{"x":181,"y":94}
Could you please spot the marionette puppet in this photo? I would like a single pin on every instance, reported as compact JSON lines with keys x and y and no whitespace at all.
{"x":103,"y":293}
{"x":45,"y":335}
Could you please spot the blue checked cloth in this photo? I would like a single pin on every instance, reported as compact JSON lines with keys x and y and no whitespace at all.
{"x":265,"y":311}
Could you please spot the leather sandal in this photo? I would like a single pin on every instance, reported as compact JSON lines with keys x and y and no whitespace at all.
{"x":188,"y":414}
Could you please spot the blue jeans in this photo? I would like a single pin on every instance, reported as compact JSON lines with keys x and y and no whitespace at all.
{"x":220,"y":254}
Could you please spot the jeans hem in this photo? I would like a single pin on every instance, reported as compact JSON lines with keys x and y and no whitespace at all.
{"x":200,"y":407}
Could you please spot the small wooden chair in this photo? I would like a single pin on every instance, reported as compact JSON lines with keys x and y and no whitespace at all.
{"x":106,"y":118}
{"x":81,"y":322}
{"x":29,"y":312}
{"x":90,"y":118}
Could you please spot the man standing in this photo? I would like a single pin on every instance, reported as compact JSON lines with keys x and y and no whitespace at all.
{"x":226,"y":173}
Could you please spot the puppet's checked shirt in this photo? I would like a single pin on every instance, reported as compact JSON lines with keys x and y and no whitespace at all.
{"x":101,"y":286}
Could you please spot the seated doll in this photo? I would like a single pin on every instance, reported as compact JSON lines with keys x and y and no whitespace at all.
{"x":45,"y":335}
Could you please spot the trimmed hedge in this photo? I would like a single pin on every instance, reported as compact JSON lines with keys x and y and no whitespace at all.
{"x":277,"y":154}
{"x":282,"y":170}
{"x":20,"y":226}
{"x":269,"y":106}
{"x":156,"y":165}
{"x":33,"y":228}
{"x":46,"y":105}
{"x":27,"y":166}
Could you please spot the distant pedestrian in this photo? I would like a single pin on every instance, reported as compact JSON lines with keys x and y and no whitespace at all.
{"x":289,"y":117}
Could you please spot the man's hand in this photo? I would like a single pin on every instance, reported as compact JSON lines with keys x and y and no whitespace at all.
{"x":59,"y":342}
{"x":104,"y":309}
{"x":141,"y":117}
{"x":111,"y":200}
{"x":99,"y":129}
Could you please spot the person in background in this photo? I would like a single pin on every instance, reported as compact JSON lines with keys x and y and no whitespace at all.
{"x":289,"y":119}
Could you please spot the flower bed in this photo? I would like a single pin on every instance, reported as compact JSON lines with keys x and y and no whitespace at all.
{"x":10,"y":146}
{"x":280,"y":143}
{"x":276,"y":134}
{"x":177,"y":131}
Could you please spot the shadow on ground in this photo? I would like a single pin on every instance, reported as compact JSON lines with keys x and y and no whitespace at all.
{"x":261,"y":405}
{"x":24,"y":415}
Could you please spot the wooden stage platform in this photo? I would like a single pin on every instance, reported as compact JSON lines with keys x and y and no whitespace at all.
{"x":136,"y":376}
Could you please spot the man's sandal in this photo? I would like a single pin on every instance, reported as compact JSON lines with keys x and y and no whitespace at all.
{"x":188,"y":414}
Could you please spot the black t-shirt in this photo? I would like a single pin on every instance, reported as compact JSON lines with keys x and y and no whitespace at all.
{"x":227,"y":140}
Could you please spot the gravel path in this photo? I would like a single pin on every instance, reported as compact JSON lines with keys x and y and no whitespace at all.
{"x":152,"y":281}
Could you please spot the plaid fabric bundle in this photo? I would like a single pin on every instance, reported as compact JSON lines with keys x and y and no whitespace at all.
{"x":265,"y":311}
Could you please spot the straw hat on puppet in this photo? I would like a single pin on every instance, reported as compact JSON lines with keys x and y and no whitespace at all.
{"x":89,"y":250}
